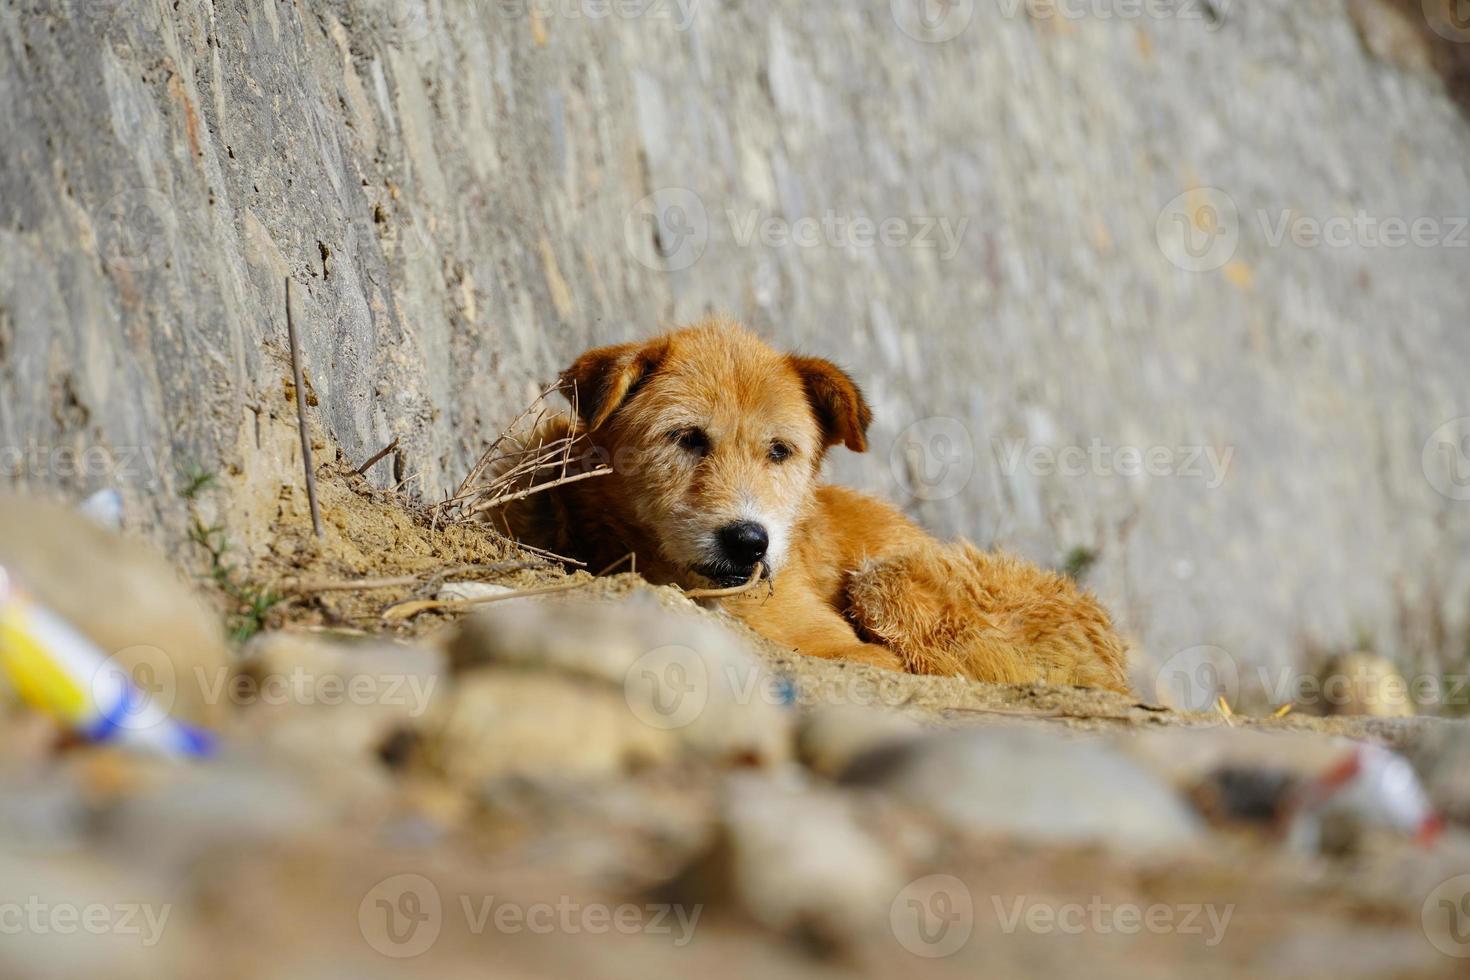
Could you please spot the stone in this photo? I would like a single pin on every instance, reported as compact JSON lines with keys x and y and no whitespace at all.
{"x":1441,"y":756}
{"x":343,"y":698}
{"x":1186,"y":756}
{"x":1031,"y":784}
{"x":797,"y":860}
{"x":246,"y":798}
{"x":500,"y":723}
{"x":1364,"y":684}
{"x":677,"y":671}
{"x":830,"y":738}
{"x":139,"y":925}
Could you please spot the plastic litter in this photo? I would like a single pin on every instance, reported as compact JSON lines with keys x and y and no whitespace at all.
{"x":57,"y":670}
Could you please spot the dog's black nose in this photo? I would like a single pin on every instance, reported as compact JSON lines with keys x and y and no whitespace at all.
{"x":744,"y":543}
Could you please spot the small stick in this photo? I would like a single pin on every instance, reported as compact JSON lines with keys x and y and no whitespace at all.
{"x":327,"y":585}
{"x":548,"y":554}
{"x":377,"y":457}
{"x":494,"y":502}
{"x":316,"y":512}
{"x":407,"y":610}
{"x":398,"y":581}
{"x":631,"y":557}
{"x":750,"y":583}
{"x":488,"y":455}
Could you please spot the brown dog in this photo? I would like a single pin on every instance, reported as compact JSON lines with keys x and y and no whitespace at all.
{"x":716,"y":444}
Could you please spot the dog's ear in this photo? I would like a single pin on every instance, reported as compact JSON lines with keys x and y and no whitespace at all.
{"x":602,"y":379}
{"x":838,"y":403}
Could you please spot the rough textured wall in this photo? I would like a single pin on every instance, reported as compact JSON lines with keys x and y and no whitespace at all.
{"x":459,"y":191}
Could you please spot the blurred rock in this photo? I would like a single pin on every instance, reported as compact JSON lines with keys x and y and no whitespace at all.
{"x":797,"y":861}
{"x":676,"y":672}
{"x":126,"y":599}
{"x":1186,"y":756}
{"x":511,"y":722}
{"x":343,"y":698}
{"x":1364,"y":684}
{"x":167,"y":816}
{"x":80,"y":918}
{"x":829,"y":738}
{"x":1032,"y":784}
{"x":1441,"y":756}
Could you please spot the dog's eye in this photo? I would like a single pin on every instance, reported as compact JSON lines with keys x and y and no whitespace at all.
{"x":692,"y":441}
{"x":780,"y":451}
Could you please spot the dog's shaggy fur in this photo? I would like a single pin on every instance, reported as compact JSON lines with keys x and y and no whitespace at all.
{"x":707,"y":429}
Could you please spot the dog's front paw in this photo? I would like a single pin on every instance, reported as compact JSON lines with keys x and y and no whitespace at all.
{"x":914,"y":603}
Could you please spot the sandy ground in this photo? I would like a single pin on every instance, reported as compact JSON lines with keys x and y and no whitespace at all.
{"x":375,"y":534}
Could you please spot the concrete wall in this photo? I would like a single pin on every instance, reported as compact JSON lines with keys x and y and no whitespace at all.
{"x":461,"y":192}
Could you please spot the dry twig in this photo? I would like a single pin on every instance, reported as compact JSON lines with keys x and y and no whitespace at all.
{"x":750,"y":583}
{"x":408,"y":610}
{"x":302,"y":586}
{"x":520,"y":466}
{"x":316,"y":512}
{"x":376,"y":457}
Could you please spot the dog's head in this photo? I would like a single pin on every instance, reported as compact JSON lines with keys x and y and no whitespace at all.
{"x":716,"y":441}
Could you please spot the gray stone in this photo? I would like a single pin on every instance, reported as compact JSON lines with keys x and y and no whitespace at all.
{"x":501,"y":723}
{"x":1442,"y":759}
{"x":797,"y":861}
{"x":1031,"y":784}
{"x":329,"y":701}
{"x":676,"y":671}
{"x":830,"y":738}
